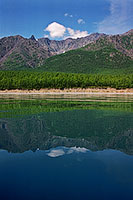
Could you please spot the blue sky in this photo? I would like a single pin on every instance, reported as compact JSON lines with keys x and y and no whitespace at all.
{"x":60,"y":19}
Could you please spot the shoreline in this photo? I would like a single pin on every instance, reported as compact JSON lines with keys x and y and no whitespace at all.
{"x":70,"y":91}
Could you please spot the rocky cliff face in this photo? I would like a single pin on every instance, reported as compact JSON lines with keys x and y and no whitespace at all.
{"x":122,"y":43}
{"x":58,"y":47}
{"x":16,"y":50}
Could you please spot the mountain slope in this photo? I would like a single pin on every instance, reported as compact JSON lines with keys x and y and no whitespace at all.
{"x":123,"y":43}
{"x":17,"y":52}
{"x":108,"y":54}
{"x":96,"y":53}
{"x":58,"y":47}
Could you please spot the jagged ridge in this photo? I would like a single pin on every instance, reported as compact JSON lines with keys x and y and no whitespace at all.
{"x":98,"y":51}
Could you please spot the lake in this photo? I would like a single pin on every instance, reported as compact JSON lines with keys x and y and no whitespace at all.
{"x":66,"y":147}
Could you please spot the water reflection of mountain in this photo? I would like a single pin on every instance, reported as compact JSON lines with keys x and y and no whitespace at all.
{"x":92,"y":129}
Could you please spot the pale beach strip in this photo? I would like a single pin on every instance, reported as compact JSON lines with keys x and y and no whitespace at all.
{"x":128,"y":91}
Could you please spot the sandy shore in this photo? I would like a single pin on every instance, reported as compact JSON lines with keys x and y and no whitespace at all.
{"x":70,"y":91}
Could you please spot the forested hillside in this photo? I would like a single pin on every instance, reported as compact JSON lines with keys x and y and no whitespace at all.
{"x":106,"y":55}
{"x":106,"y":60}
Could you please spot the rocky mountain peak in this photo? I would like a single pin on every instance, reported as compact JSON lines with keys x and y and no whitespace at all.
{"x":32,"y":38}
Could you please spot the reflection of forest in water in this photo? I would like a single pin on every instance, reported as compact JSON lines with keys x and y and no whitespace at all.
{"x":94,"y":129}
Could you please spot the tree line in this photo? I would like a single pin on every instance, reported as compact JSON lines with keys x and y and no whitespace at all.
{"x":37,"y":80}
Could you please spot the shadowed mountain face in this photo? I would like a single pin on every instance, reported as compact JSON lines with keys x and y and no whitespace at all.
{"x":19,"y":52}
{"x":93,"y":129}
{"x":97,"y":50}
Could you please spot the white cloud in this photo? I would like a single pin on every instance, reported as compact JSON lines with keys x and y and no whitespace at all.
{"x":120,"y":18}
{"x":56,"y":30}
{"x":68,"y":15}
{"x":56,"y":153}
{"x":81,"y":21}
{"x":76,"y":33}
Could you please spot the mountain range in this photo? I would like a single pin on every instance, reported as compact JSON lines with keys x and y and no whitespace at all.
{"x":93,"y":53}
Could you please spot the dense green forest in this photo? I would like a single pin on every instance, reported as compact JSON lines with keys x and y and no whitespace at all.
{"x":37,"y":80}
{"x":107,"y":60}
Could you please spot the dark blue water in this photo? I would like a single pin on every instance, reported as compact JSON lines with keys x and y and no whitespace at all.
{"x":67,"y":173}
{"x":73,"y":152}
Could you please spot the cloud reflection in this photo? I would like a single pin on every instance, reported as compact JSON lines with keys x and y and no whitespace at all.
{"x":63,"y":150}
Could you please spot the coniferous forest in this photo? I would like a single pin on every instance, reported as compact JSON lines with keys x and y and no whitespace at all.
{"x":37,"y":80}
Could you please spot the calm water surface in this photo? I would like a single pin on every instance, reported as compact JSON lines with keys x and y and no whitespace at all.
{"x":66,"y":147}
